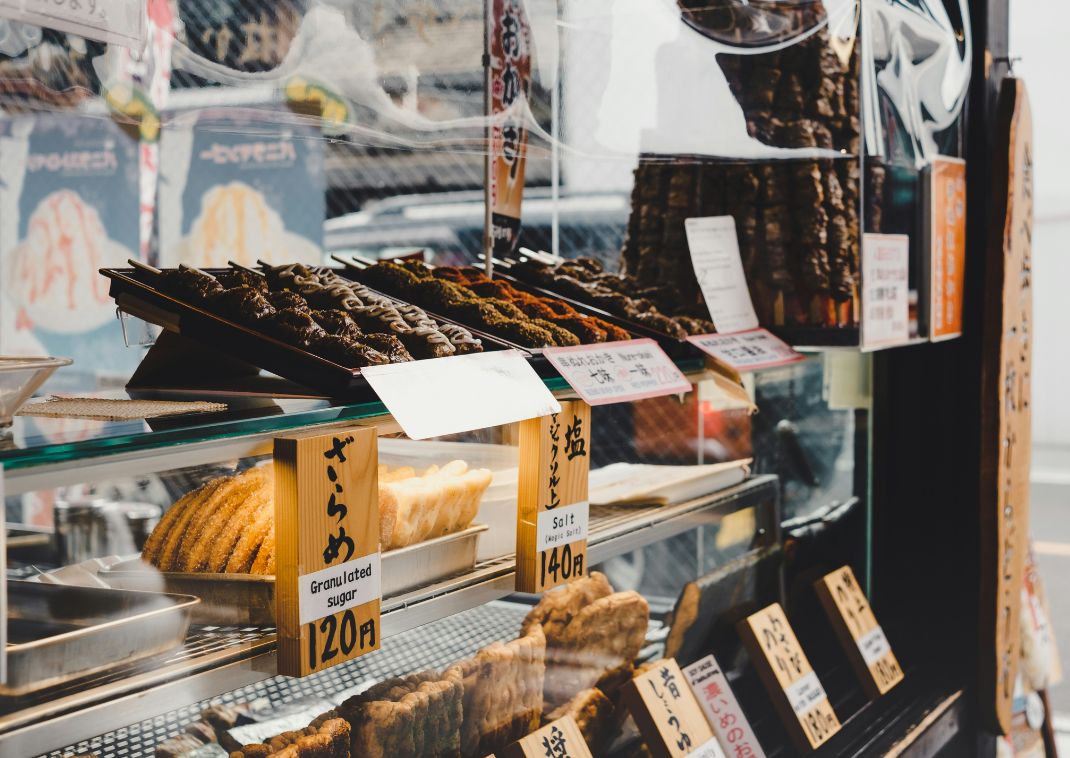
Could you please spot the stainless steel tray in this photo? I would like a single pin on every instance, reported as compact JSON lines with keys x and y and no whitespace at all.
{"x":250,"y":598}
{"x":58,"y":633}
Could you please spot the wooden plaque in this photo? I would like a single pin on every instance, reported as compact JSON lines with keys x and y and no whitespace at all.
{"x":560,"y":739}
{"x":788,"y":676}
{"x":852,"y":618}
{"x":552,"y":512}
{"x":668,"y":715}
{"x":327,"y":543}
{"x":1006,"y":404}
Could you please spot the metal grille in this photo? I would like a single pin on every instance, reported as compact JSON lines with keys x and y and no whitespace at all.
{"x":434,"y":646}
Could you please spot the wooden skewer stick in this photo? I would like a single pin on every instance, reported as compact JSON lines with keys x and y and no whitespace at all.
{"x":185,"y":267}
{"x":240,"y":267}
{"x":144,"y":266}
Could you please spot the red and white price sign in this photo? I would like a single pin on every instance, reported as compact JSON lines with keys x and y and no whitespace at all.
{"x":722,"y":710}
{"x":751,"y":350}
{"x":618,"y":372}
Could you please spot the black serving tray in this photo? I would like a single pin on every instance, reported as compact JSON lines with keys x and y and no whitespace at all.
{"x":675,"y":348}
{"x":224,"y":340}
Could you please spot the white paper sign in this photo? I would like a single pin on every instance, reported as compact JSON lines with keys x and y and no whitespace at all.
{"x":718,"y":267}
{"x":562,"y":526}
{"x":885,"y":290}
{"x":722,"y":710}
{"x":747,"y":351}
{"x":874,"y":646}
{"x":121,"y":22}
{"x":805,"y":693}
{"x":708,"y":749}
{"x":432,"y":398}
{"x":338,"y":588}
{"x":618,"y":372}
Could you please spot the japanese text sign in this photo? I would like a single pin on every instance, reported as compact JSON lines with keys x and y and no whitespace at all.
{"x":867,"y":648}
{"x":885,"y":290}
{"x":747,"y":351}
{"x":558,"y":739}
{"x":667,"y":714}
{"x":432,"y":398}
{"x":947,"y":253}
{"x":788,"y":676}
{"x":509,"y":56}
{"x":552,"y":504}
{"x":722,"y":710}
{"x":618,"y":372}
{"x":327,"y":592}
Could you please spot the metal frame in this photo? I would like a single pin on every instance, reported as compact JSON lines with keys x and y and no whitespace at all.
{"x":64,"y":721}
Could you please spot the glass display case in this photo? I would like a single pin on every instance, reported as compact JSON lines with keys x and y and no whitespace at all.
{"x":247,"y":222}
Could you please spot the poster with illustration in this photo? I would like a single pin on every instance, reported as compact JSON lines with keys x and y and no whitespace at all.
{"x":69,"y":201}
{"x":243,"y":189}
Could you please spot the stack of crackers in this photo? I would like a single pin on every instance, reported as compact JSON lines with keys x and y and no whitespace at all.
{"x":577,"y":647}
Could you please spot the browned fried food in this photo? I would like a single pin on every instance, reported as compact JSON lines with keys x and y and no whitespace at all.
{"x":244,"y":488}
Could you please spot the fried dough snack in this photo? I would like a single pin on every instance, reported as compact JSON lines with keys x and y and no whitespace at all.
{"x":328,"y":736}
{"x":594,"y":714}
{"x":593,"y":636}
{"x":416,"y":715}
{"x":503,"y":686}
{"x":228,"y":524}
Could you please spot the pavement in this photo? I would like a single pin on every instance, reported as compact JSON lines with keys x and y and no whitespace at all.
{"x":1050,"y":527}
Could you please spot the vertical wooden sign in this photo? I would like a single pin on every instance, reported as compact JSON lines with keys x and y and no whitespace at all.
{"x":1006,"y":404}
{"x":327,"y":584}
{"x":553,"y":510}
{"x":559,"y":739}
{"x":789,"y":678}
{"x":668,"y":715}
{"x":856,"y":626}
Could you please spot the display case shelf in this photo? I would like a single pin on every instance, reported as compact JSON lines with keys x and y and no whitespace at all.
{"x":215,"y":660}
{"x":43,"y":453}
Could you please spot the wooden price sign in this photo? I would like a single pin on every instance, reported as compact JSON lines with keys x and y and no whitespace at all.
{"x":327,"y":589}
{"x":552,"y":512}
{"x":558,"y":739}
{"x":667,"y":714}
{"x":1006,"y":403}
{"x":867,"y":648}
{"x":788,"y":676}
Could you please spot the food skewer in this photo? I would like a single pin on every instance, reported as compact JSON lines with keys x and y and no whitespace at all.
{"x":194,"y":269}
{"x":240,"y":267}
{"x":144,"y":266}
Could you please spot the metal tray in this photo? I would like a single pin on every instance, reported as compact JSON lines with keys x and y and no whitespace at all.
{"x":59,"y":633}
{"x":355,"y":265}
{"x":249,"y":599}
{"x":676,"y":348}
{"x":134,"y":292}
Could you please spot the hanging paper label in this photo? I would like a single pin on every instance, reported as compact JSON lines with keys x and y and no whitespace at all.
{"x":618,"y":372}
{"x":121,"y":22}
{"x":747,"y":351}
{"x":718,"y":267}
{"x":432,"y":398}
{"x":885,"y":290}
{"x":947,"y":253}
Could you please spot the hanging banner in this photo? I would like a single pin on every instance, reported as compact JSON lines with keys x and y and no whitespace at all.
{"x":1006,"y":405}
{"x":509,"y":82}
